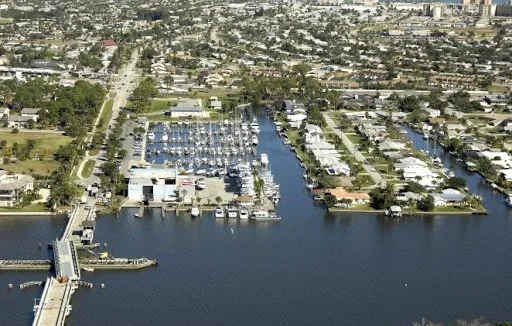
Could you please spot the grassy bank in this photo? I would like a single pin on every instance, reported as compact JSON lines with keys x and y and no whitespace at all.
{"x":32,"y":208}
{"x":106,"y":114}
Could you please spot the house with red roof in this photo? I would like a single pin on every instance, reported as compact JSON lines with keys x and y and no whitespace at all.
{"x":109,"y":42}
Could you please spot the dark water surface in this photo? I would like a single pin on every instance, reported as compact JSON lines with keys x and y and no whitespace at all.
{"x":312,"y":268}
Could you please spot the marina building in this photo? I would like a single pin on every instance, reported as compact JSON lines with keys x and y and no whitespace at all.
{"x":12,"y":187}
{"x":152,"y":184}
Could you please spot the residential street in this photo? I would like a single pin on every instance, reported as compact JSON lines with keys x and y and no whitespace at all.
{"x":370,"y":169}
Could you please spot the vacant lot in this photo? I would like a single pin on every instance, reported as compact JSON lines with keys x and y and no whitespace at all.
{"x":46,"y":143}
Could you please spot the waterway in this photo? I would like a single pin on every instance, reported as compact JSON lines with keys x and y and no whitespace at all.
{"x":312,"y":268}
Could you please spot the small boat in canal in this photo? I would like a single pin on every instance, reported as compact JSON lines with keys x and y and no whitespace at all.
{"x":194,"y":211}
{"x":219,"y":212}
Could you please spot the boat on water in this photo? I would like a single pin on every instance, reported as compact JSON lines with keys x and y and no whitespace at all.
{"x":137,"y":215}
{"x":88,"y":269}
{"x":264,"y":159}
{"x":165,"y":138}
{"x":194,"y":211}
{"x":254,"y":139}
{"x":219,"y":212}
{"x":244,"y":213}
{"x":232,"y":212}
{"x":263,"y":215}
{"x":151,"y":136}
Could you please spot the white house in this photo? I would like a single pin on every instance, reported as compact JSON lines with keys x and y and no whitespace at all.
{"x":295,"y":120}
{"x":214,"y":103}
{"x":4,"y":113}
{"x":31,"y":113}
{"x":12,"y":187}
{"x":313,"y":134}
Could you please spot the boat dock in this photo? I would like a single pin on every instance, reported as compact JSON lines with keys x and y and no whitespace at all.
{"x":17,"y":265}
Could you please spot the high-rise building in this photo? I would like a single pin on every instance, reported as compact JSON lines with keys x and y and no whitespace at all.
{"x":477,"y":2}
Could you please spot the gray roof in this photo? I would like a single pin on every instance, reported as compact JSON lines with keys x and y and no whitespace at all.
{"x":19,"y":183}
{"x":19,"y":118}
{"x":185,"y":109}
{"x":30,"y":111}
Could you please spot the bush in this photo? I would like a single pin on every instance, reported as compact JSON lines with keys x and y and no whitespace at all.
{"x":15,"y":130}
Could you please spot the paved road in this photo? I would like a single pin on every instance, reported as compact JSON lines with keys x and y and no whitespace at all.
{"x":377,"y":178}
{"x":123,"y":88}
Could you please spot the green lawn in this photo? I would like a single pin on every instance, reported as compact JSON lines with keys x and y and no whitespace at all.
{"x":33,"y":167}
{"x":4,"y":21}
{"x":204,"y":95}
{"x":32,"y":208}
{"x":88,"y":167}
{"x":160,"y":105}
{"x":46,"y":143}
{"x":106,"y":114}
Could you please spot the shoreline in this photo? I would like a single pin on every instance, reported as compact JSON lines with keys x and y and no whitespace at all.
{"x":404,"y":214}
{"x":42,"y":214}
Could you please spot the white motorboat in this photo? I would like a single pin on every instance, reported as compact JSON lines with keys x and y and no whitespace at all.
{"x":88,"y":269}
{"x":151,"y":136}
{"x":200,"y":184}
{"x":254,"y":139}
{"x":165,"y":138}
{"x":232,"y":212}
{"x":244,"y":214}
{"x":262,"y":215}
{"x":194,"y":211}
{"x":219,"y":212}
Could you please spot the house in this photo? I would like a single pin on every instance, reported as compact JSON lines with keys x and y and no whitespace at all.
{"x":31,"y":113}
{"x":295,"y":120}
{"x":348,"y":198}
{"x":391,"y":146}
{"x":109,"y":43}
{"x":313,"y":134}
{"x":4,"y":113}
{"x":12,"y":188}
{"x":18,"y":121}
{"x":214,"y":103}
{"x":449,"y":197}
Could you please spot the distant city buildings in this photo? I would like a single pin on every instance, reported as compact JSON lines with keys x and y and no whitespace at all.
{"x":476,"y":2}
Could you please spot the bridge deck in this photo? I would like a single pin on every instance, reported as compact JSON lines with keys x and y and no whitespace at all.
{"x":53,"y":307}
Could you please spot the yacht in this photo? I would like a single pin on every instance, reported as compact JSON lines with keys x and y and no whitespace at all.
{"x":194,"y":211}
{"x":263,"y":215}
{"x":151,"y":136}
{"x":200,"y":184}
{"x":165,"y":138}
{"x":279,"y":126}
{"x":232,"y":212}
{"x":244,"y":214}
{"x":219,"y":212}
{"x":254,"y":139}
{"x":88,"y":269}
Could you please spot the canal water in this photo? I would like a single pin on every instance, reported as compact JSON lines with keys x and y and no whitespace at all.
{"x":312,"y":268}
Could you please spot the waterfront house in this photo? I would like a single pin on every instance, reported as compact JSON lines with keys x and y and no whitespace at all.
{"x":408,"y":195}
{"x":12,"y":188}
{"x":391,"y":146}
{"x":313,"y":134}
{"x":340,"y":194}
{"x":449,"y":197}
{"x":245,"y":200}
{"x":505,"y":174}
{"x":295,"y":120}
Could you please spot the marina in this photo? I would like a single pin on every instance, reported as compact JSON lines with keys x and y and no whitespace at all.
{"x":352,"y":252}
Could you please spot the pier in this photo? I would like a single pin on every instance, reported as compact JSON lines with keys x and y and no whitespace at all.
{"x":54,"y":305}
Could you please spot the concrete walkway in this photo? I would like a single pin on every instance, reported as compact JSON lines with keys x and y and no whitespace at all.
{"x":370,"y":169}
